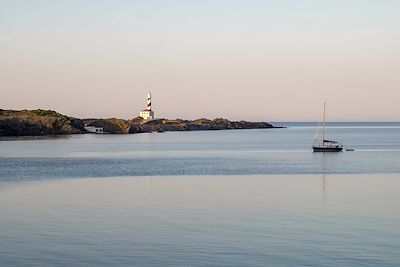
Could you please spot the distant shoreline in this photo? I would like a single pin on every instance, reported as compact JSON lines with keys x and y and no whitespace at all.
{"x":40,"y":122}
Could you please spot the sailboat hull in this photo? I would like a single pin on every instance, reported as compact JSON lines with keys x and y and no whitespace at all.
{"x":327,"y":149}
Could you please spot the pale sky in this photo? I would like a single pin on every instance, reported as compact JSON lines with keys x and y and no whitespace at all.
{"x":253,"y":60}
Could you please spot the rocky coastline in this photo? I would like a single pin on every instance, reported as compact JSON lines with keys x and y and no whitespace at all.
{"x":47,"y":122}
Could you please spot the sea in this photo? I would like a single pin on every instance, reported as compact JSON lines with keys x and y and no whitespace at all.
{"x":256,"y":197}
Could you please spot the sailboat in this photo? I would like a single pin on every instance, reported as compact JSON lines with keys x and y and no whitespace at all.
{"x":325,"y":145}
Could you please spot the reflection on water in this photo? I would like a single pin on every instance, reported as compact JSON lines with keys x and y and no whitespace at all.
{"x":32,"y":138}
{"x":203,"y":221}
{"x":323,"y":190}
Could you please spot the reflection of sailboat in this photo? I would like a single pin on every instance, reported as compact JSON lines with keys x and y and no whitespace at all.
{"x":325,"y":145}
{"x":323,"y":190}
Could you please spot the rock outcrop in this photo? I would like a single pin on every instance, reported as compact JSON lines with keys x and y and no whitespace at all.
{"x":37,"y":122}
{"x":48,"y":122}
{"x":162,"y":125}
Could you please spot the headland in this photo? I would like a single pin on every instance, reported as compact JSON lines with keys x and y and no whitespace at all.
{"x":47,"y":122}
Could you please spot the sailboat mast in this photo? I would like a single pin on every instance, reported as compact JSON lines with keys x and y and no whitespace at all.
{"x":323,"y":125}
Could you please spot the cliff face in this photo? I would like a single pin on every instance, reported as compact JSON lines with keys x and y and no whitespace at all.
{"x":37,"y":122}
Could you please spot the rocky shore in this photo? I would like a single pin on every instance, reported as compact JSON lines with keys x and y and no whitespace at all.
{"x":47,"y":122}
{"x":37,"y":122}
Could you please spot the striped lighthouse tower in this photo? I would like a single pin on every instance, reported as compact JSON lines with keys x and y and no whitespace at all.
{"x":149,"y":101}
{"x":147,"y":114}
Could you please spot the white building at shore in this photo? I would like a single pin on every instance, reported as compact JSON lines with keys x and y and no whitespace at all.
{"x":147,"y":113}
{"x":94,"y":129}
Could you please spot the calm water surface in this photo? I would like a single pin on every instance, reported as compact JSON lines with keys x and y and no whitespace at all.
{"x":235,"y":152}
{"x":224,"y":198}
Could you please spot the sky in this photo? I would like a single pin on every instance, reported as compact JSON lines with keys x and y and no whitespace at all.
{"x":250,"y":59}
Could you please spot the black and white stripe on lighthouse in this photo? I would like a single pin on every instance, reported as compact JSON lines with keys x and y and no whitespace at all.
{"x":149,"y":101}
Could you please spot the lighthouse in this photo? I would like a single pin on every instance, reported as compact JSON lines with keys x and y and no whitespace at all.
{"x":147,"y":113}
